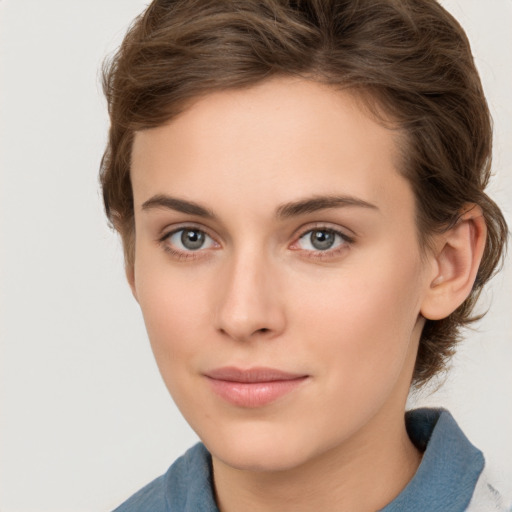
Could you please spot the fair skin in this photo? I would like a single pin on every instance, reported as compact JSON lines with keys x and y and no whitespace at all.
{"x":273,"y":230}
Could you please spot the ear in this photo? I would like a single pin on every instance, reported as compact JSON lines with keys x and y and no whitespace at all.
{"x":457,"y":257}
{"x":130,"y":277}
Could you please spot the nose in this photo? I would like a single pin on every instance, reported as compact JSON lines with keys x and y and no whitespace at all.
{"x":249,"y":304}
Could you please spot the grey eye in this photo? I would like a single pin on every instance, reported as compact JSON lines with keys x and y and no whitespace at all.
{"x":321,"y":240}
{"x":190,"y":239}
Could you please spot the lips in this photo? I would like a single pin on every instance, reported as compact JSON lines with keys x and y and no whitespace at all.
{"x":255,"y":387}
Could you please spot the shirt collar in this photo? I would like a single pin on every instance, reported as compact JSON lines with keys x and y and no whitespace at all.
{"x":450,"y":467}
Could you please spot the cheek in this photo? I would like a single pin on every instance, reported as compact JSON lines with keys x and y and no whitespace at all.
{"x":363,"y":317}
{"x":173,"y":305}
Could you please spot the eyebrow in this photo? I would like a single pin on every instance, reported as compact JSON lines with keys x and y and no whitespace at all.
{"x":314,"y":204}
{"x":284,"y":211}
{"x":180,"y":205}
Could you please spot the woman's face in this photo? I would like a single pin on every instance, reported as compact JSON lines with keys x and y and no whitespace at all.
{"x":278,"y":271}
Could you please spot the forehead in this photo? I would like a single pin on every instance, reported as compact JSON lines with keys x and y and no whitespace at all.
{"x":283,"y":138}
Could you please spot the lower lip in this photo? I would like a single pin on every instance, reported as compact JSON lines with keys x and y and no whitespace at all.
{"x":254,"y":394}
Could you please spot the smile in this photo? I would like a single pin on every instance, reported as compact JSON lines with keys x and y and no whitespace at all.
{"x":252,"y":388}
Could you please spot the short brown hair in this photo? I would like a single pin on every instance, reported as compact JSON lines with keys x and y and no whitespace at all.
{"x":410,"y":57}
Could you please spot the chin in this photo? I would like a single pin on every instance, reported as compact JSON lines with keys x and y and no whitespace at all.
{"x":268,"y":460}
{"x":260,"y":450}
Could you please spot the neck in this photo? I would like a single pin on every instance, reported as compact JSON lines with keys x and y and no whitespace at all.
{"x":362,"y":475}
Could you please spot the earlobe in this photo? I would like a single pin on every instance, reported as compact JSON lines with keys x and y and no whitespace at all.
{"x":130,"y":277}
{"x":458,"y":255}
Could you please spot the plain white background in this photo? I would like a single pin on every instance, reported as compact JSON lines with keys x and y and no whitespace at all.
{"x":85,"y":419}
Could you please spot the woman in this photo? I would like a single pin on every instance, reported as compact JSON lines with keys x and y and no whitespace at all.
{"x":299,"y":187}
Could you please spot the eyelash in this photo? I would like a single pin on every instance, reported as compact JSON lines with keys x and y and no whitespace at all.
{"x":180,"y":255}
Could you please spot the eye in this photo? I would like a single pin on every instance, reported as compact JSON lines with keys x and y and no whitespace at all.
{"x":321,"y":240}
{"x":189,"y":239}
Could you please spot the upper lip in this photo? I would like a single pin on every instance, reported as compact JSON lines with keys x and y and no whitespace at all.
{"x":258,"y":374}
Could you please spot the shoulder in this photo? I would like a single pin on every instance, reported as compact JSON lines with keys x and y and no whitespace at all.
{"x":186,"y":486}
{"x":150,"y":497}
